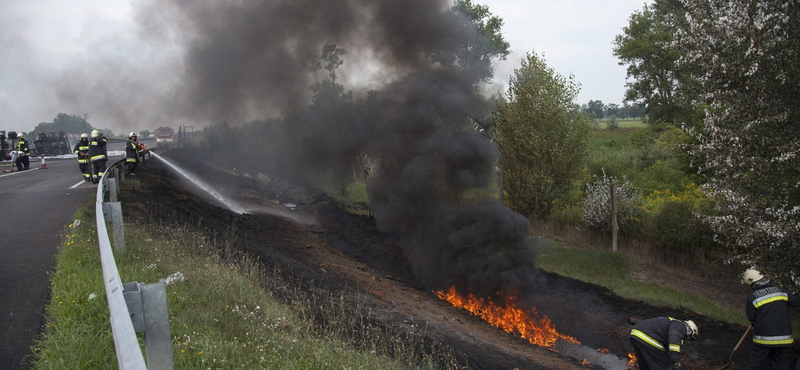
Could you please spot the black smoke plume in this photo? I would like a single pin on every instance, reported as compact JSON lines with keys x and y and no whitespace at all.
{"x":401,"y":102}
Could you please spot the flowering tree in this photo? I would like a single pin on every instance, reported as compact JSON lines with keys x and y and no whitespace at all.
{"x":597,"y":203}
{"x":745,"y":55}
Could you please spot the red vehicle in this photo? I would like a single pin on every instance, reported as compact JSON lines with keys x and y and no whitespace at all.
{"x":164,"y":136}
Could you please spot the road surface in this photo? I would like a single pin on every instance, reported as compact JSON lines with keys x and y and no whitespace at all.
{"x":36,"y":206}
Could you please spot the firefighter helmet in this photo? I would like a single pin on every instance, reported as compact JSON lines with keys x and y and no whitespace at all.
{"x":95,"y":133}
{"x":84,"y":136}
{"x":692,"y":329}
{"x":21,"y":135}
{"x":132,"y":134}
{"x":751,"y":276}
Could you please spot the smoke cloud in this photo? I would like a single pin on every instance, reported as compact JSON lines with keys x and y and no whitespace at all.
{"x":410,"y":85}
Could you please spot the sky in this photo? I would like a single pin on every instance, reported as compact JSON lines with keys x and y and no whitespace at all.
{"x":42,"y":40}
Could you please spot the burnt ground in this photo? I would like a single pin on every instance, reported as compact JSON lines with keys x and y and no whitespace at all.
{"x":326,"y":248}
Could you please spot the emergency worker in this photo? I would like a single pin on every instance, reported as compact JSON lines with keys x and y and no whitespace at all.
{"x":657,"y":342}
{"x":97,"y":154}
{"x":23,"y":161}
{"x":768,"y":311}
{"x":82,"y":151}
{"x":132,"y":154}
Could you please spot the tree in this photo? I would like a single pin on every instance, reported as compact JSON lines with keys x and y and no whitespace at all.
{"x":746,"y":55}
{"x":145,"y":134}
{"x":489,"y":44}
{"x":595,"y":108}
{"x":70,"y":124}
{"x":544,"y":136}
{"x":646,"y":47}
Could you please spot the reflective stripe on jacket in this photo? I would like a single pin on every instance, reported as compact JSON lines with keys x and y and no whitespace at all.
{"x":97,"y":149}
{"x":768,"y":310}
{"x":22,"y":147}
{"x":664,"y":333}
{"x":81,"y":150}
{"x":131,"y":152}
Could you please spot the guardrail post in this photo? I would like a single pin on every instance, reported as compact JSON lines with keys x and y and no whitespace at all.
{"x":112,"y":189}
{"x":113,"y":210}
{"x":157,"y":337}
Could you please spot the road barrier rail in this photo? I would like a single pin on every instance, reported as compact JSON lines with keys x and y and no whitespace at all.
{"x":134,"y":307}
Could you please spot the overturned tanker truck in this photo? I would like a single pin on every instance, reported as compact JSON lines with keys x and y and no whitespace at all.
{"x":52,"y":144}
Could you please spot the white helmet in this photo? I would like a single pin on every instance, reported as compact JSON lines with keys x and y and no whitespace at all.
{"x":84,"y":136}
{"x":132,"y":134}
{"x":751,"y":276}
{"x":95,"y":133}
{"x":692,"y":329}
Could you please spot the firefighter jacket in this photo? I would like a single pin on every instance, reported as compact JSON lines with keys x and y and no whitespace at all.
{"x":664,"y":333}
{"x":82,"y":151}
{"x":22,"y":147}
{"x":768,"y":310}
{"x":97,"y":149}
{"x":131,"y":152}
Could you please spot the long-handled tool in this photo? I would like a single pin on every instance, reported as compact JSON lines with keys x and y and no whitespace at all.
{"x":730,"y":358}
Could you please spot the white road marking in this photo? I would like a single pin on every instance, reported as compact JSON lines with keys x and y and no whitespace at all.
{"x":18,"y":172}
{"x":76,"y":185}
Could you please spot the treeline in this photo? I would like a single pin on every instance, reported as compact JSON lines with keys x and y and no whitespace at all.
{"x":597,"y":110}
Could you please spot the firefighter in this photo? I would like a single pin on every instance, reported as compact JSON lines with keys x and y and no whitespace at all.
{"x":82,"y":151}
{"x":23,"y":161}
{"x":132,"y":154}
{"x":657,"y":342}
{"x":768,"y":311}
{"x":97,"y":154}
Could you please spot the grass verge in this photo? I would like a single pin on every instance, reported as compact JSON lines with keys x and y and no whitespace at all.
{"x":611,"y":270}
{"x":225,"y":314}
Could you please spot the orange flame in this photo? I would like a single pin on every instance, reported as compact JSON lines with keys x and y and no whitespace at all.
{"x":585,"y":363}
{"x":509,"y":317}
{"x":603,"y":350}
{"x":632,"y":360}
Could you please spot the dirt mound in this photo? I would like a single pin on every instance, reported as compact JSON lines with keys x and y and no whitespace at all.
{"x":302,"y":230}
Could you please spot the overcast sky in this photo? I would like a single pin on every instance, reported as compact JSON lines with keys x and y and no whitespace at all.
{"x":39,"y":38}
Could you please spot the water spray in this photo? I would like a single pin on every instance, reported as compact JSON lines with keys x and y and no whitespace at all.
{"x":202,"y":185}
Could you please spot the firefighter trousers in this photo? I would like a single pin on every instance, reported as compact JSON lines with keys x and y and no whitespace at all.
{"x":779,"y":356}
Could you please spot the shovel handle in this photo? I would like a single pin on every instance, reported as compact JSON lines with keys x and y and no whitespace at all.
{"x":742,"y":340}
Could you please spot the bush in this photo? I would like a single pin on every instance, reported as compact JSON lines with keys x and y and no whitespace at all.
{"x":612,"y":123}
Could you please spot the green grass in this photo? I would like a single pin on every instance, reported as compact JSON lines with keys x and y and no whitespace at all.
{"x":223,"y":315}
{"x":355,"y":200}
{"x":623,"y":123}
{"x":611,"y":270}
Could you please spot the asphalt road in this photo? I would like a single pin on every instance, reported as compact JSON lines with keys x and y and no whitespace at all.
{"x":36,"y":206}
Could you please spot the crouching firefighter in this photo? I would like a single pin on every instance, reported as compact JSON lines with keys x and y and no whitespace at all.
{"x":82,"y":151}
{"x":97,"y":154}
{"x":768,"y":311}
{"x":657,"y":342}
{"x":132,"y":154}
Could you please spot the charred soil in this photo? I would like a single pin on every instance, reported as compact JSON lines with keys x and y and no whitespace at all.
{"x":327,"y":249}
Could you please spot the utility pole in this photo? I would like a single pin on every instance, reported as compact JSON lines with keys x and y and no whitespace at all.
{"x":614,"y":226}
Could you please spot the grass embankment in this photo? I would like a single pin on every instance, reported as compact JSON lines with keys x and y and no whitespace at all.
{"x":612,"y":270}
{"x":223,"y":315}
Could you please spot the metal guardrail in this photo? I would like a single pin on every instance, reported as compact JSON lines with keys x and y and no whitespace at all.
{"x":134,"y":307}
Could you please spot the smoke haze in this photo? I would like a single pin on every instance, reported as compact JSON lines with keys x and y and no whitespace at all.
{"x":237,"y":61}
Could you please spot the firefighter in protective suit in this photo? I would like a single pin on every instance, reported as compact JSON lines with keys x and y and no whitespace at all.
{"x":768,"y":311}
{"x":97,"y":154}
{"x":132,"y":154}
{"x":82,"y":151}
{"x":657,"y":342}
{"x":23,"y":161}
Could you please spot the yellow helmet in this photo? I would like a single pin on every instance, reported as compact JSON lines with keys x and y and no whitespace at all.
{"x":84,"y":136}
{"x":95,"y":133}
